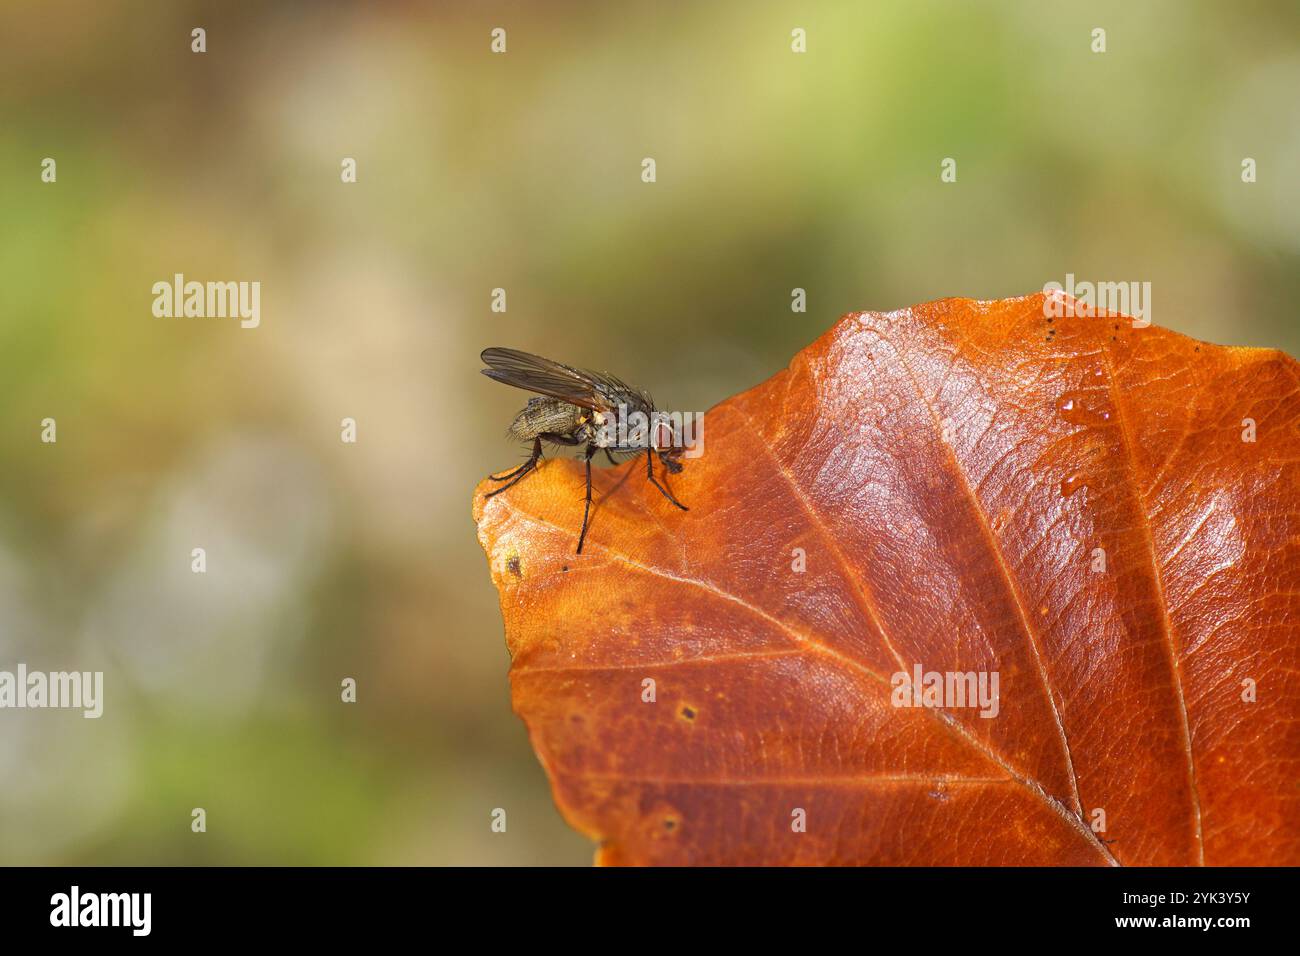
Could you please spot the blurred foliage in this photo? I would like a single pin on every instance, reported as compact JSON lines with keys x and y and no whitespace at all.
{"x":326,"y":560}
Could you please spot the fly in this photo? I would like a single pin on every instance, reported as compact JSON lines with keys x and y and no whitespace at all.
{"x":577,"y":408}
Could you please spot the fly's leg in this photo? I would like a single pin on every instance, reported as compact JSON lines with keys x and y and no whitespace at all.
{"x":525,"y":467}
{"x":512,"y":478}
{"x":650,"y":473}
{"x":586,"y":508}
{"x":610,"y":455}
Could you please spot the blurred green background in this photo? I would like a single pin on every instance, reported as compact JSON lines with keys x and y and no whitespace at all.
{"x":775,"y":170}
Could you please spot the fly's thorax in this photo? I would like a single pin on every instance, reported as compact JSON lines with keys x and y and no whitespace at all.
{"x":602,"y":428}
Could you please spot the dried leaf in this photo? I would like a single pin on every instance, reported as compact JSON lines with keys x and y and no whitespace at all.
{"x":974,"y":489}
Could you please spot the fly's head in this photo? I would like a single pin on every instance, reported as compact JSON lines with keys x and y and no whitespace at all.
{"x":669,"y":459}
{"x":667,"y":445}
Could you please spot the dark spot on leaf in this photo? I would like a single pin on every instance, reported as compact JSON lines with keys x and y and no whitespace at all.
{"x":513,"y":565}
{"x":687,"y":713}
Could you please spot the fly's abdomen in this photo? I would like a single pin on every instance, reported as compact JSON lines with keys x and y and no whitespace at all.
{"x":546,"y":416}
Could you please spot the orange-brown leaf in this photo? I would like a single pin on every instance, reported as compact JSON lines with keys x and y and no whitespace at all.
{"x":949,"y":471}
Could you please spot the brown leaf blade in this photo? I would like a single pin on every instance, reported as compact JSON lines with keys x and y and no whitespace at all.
{"x":949,"y":472}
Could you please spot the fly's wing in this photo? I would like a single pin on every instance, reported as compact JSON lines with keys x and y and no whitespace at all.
{"x":594,"y":390}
